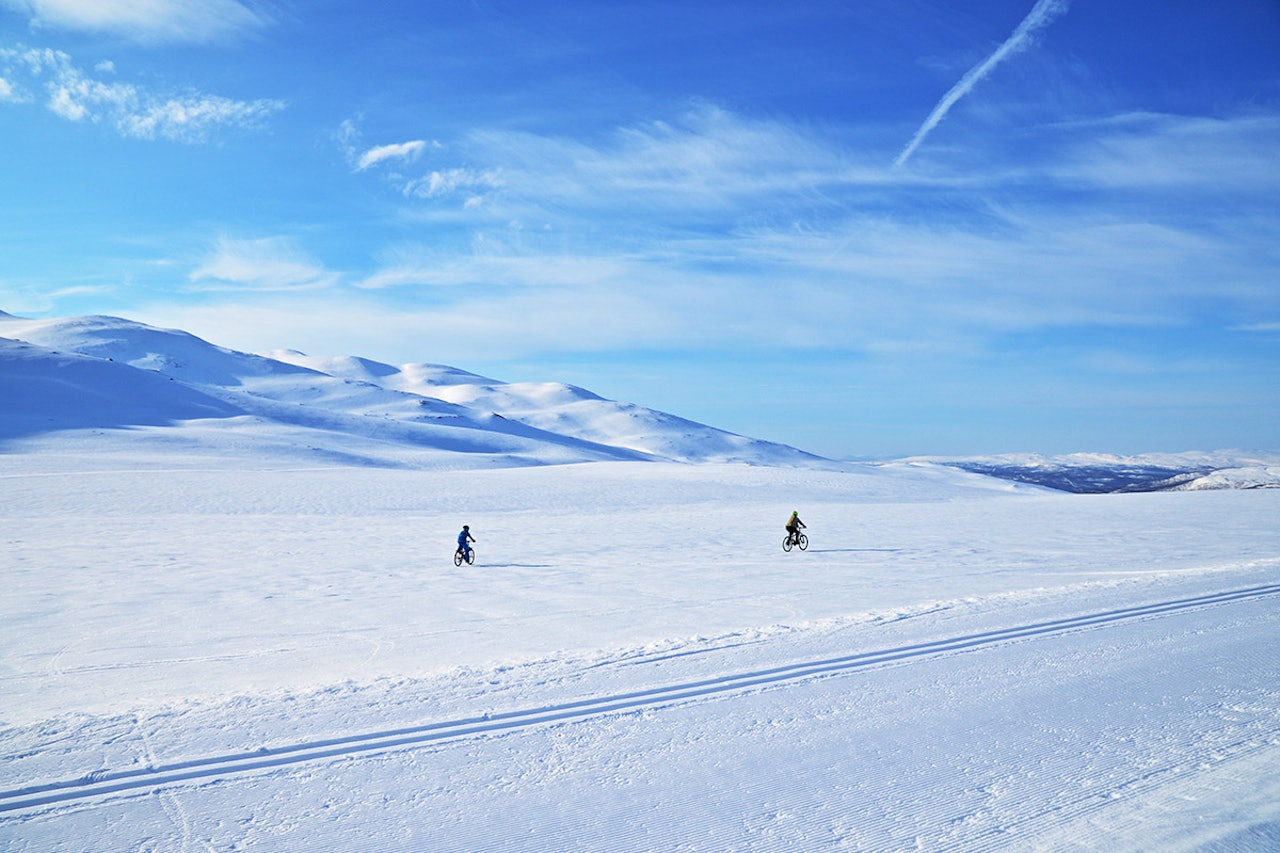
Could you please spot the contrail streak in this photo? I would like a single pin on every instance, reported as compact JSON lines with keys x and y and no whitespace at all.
{"x":1041,"y":15}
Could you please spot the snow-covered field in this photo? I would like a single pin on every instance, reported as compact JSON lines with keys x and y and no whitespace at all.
{"x":205,"y":654}
{"x":231,"y":621}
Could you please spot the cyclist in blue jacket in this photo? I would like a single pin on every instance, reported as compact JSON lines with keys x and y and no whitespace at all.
{"x":463,"y":538}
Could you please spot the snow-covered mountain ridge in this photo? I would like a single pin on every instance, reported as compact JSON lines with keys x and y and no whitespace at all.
{"x":98,"y":372}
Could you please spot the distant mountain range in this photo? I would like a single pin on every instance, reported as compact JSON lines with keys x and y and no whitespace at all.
{"x":106,"y":373}
{"x":1093,"y":473}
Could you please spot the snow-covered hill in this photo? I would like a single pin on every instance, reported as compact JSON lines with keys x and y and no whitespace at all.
{"x":100,"y":372}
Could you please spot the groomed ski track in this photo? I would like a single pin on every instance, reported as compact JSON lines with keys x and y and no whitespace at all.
{"x":105,"y":782}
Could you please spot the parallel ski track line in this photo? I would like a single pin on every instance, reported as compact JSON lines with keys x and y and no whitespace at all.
{"x":104,"y":782}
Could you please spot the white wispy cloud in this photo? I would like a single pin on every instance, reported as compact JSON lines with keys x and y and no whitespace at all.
{"x":464,"y":333}
{"x":499,"y":266}
{"x":1041,"y":15}
{"x":871,"y":284}
{"x":707,"y":163}
{"x":1161,"y":151}
{"x":34,"y":298}
{"x":265,"y":264}
{"x":893,"y":289}
{"x":708,"y":157}
{"x":472,"y":182}
{"x":133,"y":111}
{"x":406,"y":151}
{"x":147,"y":21}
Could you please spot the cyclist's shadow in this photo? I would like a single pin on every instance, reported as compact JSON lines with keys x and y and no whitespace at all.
{"x":856,"y":550}
{"x":520,"y":565}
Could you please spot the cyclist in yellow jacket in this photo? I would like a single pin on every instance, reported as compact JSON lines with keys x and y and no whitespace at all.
{"x":794,"y":526}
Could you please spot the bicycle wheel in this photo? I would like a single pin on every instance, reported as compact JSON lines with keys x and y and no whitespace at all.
{"x":786,"y":543}
{"x":471,"y":557}
{"x":457,"y":557}
{"x":804,"y":542}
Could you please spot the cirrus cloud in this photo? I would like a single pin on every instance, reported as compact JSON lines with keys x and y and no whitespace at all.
{"x":147,"y":21}
{"x":265,"y":264}
{"x":472,"y":182}
{"x":717,"y":206}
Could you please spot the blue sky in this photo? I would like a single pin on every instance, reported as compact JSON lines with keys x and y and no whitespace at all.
{"x":866,"y":229}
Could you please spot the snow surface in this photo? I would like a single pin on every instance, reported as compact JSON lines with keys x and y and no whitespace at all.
{"x":235,"y":624}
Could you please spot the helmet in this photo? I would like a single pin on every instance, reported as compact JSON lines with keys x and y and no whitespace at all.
{"x":465,"y":527}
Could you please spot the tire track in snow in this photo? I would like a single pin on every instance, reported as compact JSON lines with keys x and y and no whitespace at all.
{"x":103,"y":782}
